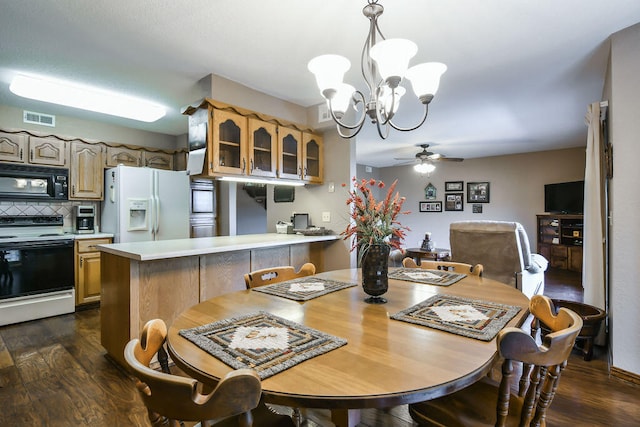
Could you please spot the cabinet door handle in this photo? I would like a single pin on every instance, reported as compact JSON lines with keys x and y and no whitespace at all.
{"x":73,"y":189}
{"x":251,"y":170}
{"x":31,"y":154}
{"x":21,"y":154}
{"x":244,"y":164}
{"x":81,"y":261}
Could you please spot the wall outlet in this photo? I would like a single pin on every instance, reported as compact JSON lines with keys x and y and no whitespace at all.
{"x":326,"y":216}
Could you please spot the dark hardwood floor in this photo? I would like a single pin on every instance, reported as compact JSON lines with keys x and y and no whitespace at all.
{"x":53,"y":372}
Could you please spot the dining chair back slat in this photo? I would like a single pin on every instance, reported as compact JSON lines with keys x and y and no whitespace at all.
{"x":268,"y":276}
{"x":457,"y":267}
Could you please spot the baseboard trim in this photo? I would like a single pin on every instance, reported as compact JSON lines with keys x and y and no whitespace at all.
{"x":625,"y":375}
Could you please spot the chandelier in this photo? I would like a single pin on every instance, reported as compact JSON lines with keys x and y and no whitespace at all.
{"x":384,"y":64}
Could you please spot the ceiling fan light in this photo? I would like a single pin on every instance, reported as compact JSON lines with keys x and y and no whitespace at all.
{"x":424,"y":167}
{"x":329,"y":71}
{"x":425,"y":78}
{"x":392,"y":57}
{"x":342,"y":98}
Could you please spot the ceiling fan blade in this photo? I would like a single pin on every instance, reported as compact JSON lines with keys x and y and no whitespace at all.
{"x":404,"y":158}
{"x":449,"y":159}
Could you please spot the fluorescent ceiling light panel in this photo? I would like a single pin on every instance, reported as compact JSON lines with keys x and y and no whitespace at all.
{"x":86,"y":97}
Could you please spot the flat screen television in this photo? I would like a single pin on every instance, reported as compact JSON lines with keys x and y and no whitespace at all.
{"x":564,"y":197}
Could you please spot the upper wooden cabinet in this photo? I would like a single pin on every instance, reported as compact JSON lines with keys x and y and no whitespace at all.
{"x":263,"y":144}
{"x":138,"y":157}
{"x":21,"y":148}
{"x":86,"y":172}
{"x":244,"y":142}
{"x":228,"y":153}
{"x":290,"y":150}
{"x":313,"y":158}
{"x":123,"y":156}
{"x":157,"y":159}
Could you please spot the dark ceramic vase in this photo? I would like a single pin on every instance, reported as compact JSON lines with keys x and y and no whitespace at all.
{"x":375,"y":268}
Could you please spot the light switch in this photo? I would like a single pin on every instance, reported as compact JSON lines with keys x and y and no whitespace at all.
{"x":332,"y":187}
{"x":326,"y":216}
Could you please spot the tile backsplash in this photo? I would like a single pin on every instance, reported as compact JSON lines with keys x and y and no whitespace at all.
{"x":45,"y":208}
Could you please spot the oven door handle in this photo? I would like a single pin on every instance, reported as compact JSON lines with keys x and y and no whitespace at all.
{"x":36,"y":244}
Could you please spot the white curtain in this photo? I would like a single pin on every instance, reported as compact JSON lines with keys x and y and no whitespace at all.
{"x":593,"y":266}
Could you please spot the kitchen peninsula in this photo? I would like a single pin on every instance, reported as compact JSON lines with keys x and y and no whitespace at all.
{"x":161,"y":279}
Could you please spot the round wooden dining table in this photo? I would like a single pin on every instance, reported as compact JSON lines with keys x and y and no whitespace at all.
{"x":385,"y":362}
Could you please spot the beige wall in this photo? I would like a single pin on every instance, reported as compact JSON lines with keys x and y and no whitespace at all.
{"x":624,"y":123}
{"x":516,"y":189}
{"x":339,"y":166}
{"x":11,"y":118}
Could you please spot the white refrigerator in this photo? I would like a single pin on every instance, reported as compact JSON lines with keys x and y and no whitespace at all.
{"x":142,"y":204}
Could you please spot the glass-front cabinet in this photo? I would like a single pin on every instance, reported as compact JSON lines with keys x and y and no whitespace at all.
{"x":263,"y":144}
{"x":312,"y":151}
{"x":229,"y":143}
{"x":290,"y":148}
{"x":242,"y":142}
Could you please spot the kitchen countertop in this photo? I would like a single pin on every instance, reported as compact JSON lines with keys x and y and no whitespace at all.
{"x":163,"y":249}
{"x":90,"y":236}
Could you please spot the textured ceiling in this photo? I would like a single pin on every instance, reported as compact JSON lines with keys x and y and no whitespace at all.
{"x":520,"y":73}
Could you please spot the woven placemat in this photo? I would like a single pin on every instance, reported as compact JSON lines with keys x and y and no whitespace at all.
{"x":303,"y":288}
{"x":429,"y":277}
{"x":471,"y":318}
{"x":261,"y":341}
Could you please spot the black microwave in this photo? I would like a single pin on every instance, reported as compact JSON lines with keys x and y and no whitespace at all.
{"x":33,"y":182}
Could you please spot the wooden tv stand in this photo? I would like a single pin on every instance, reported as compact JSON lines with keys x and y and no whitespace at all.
{"x":560,"y":240}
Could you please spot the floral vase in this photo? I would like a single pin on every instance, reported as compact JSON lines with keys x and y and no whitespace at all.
{"x":375,"y":267}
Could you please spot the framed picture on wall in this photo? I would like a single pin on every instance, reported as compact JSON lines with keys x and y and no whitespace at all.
{"x":431,"y":206}
{"x":477,"y":192}
{"x":453,"y":186}
{"x":454,"y":202}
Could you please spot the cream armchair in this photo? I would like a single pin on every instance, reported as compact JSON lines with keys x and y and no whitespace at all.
{"x":503,"y":249}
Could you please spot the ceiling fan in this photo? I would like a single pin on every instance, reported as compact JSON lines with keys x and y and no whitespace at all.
{"x":428,"y":156}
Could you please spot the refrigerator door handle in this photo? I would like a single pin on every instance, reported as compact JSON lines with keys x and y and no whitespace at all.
{"x":156,"y":205}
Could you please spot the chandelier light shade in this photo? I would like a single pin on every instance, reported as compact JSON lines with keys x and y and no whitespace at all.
{"x":385,"y":65}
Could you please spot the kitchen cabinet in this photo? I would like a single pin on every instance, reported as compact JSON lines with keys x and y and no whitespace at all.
{"x":228,"y":143}
{"x":22,"y":148}
{"x":157,"y":159}
{"x":262,"y":148}
{"x":47,"y":151}
{"x":87,"y":269}
{"x":86,"y":172}
{"x":122,"y":156}
{"x":290,"y":152}
{"x":241,"y":142}
{"x":313,"y":158}
{"x":13,"y":147}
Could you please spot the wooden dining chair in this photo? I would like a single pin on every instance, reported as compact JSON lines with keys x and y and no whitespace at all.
{"x":170,"y":399}
{"x":268,"y":276}
{"x":457,"y":267}
{"x":488,"y":402}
